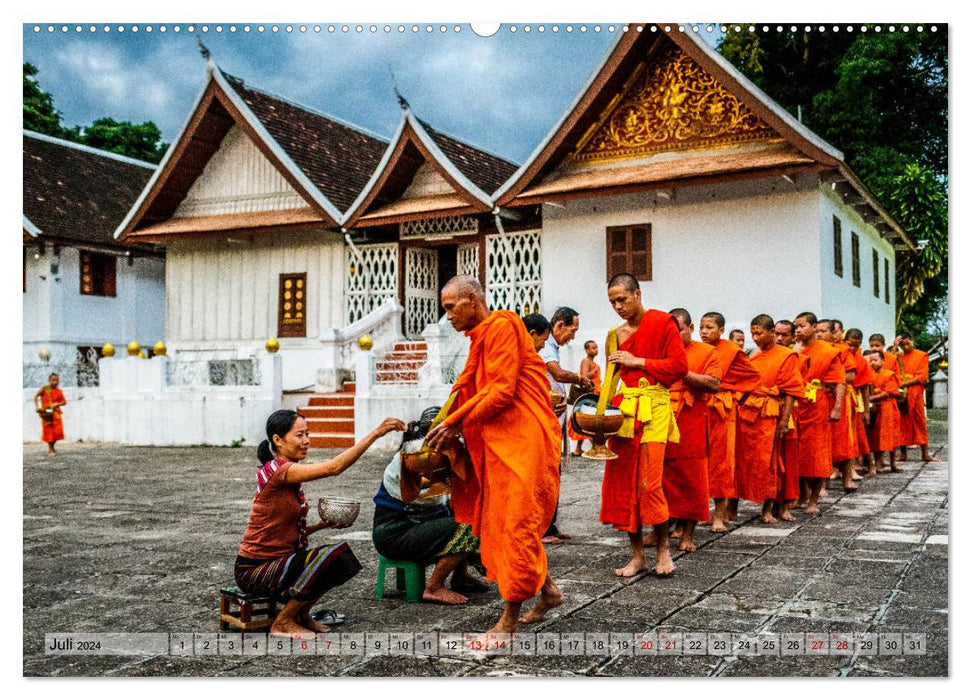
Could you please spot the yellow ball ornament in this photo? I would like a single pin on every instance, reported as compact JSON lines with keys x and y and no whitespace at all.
{"x":134,"y":348}
{"x":107,"y":350}
{"x":272,"y":345}
{"x":160,"y":349}
{"x":365,"y":343}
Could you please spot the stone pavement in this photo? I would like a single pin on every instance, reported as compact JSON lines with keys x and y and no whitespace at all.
{"x":132,"y":539}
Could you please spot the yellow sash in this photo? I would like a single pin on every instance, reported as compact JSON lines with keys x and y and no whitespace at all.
{"x":649,"y":404}
{"x":856,"y":398}
{"x":811,"y":388}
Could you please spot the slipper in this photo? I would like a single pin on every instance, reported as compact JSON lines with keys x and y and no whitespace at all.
{"x":328,"y":617}
{"x":552,"y":539}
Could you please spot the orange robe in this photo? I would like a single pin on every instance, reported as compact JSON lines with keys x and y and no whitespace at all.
{"x":685,"y":478}
{"x":891,"y":361}
{"x":844,"y":434}
{"x":790,"y":458}
{"x":632,"y":494}
{"x":596,"y":390}
{"x":820,"y":364}
{"x":913,"y":421}
{"x":885,"y":417}
{"x":758,"y":453}
{"x":513,"y":438}
{"x":864,"y":378}
{"x":52,"y":425}
{"x":739,"y":377}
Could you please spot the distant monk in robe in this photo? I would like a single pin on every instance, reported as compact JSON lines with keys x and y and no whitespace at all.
{"x":844,"y":437}
{"x":915,"y":371}
{"x":821,"y":407}
{"x":884,"y":414}
{"x":891,"y":361}
{"x":791,"y":481}
{"x":739,"y":376}
{"x":686,"y":461}
{"x":503,"y":411}
{"x":861,"y":395}
{"x":763,"y":421}
{"x":650,"y":358}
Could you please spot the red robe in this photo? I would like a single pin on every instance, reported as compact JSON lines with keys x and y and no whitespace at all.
{"x":52,"y":425}
{"x":913,"y":421}
{"x":844,"y":434}
{"x":632,"y":494}
{"x":819,"y":362}
{"x":686,"y":461}
{"x":758,"y":453}
{"x":739,"y":377}
{"x":513,"y":439}
{"x":884,"y":418}
{"x":864,"y":378}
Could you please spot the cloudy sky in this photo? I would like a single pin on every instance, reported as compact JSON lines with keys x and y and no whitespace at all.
{"x":502,"y":93}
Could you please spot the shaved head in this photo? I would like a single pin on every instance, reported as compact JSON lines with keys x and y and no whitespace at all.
{"x":463,"y":285}
{"x":764,"y":321}
{"x":809,"y":316}
{"x":681,"y":314}
{"x":628,"y":282}
{"x":716,"y":317}
{"x":855,"y":334}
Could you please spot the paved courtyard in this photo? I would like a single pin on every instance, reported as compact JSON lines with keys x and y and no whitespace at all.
{"x":135,"y":539}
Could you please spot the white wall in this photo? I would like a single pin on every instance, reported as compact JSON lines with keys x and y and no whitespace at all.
{"x":740,"y":249}
{"x":223,"y":294}
{"x":855,"y":306}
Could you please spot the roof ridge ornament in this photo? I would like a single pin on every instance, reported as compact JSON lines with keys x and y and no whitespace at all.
{"x":401,"y":100}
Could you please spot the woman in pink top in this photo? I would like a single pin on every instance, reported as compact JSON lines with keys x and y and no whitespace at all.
{"x":274,"y":558}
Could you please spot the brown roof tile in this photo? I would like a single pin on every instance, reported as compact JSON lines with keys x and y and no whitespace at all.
{"x":337,"y":158}
{"x":485,"y":170}
{"x":74,"y":194}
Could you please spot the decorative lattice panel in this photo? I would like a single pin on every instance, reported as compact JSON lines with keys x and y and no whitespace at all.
{"x":514,"y":272}
{"x":421,"y":289}
{"x":372,"y":277}
{"x":468,"y":259}
{"x":444,"y":227}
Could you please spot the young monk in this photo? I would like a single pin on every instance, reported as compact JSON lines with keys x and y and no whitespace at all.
{"x":738,"y":337}
{"x":763,"y":421}
{"x":48,"y":401}
{"x":739,"y":376}
{"x":891,"y":361}
{"x":882,"y":435}
{"x":843,"y":436}
{"x":785,"y":333}
{"x":503,"y":410}
{"x":861,"y":395}
{"x":591,"y":370}
{"x":821,"y":408}
{"x":685,"y":480}
{"x":793,"y":486}
{"x":915,"y":369}
{"x":650,"y":358}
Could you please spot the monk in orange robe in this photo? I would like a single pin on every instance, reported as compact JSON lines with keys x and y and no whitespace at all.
{"x":844,"y":437}
{"x":685,"y":480}
{"x":591,"y":370}
{"x":885,"y":416}
{"x":650,"y":358}
{"x":739,"y":376}
{"x":891,"y":361}
{"x":821,"y":407}
{"x":48,"y":401}
{"x":861,"y":399}
{"x":503,"y":410}
{"x":915,"y":370}
{"x":763,"y":421}
{"x":791,"y":491}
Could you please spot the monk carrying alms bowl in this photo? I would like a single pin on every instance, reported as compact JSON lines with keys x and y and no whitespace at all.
{"x":596,"y":425}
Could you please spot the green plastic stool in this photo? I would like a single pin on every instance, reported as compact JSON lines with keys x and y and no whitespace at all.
{"x":409,"y":577}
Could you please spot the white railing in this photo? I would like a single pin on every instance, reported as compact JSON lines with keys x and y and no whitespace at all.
{"x":231,"y":367}
{"x":341,"y":356}
{"x":447,"y":350}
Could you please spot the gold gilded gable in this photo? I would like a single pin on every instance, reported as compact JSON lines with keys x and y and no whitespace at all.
{"x":670,"y":104}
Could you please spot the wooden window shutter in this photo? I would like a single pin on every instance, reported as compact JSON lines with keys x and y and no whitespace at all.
{"x":629,"y":250}
{"x":886,"y":280}
{"x":855,"y":251}
{"x":292,"y":312}
{"x":837,"y":247}
{"x":97,"y":273}
{"x":876,"y":273}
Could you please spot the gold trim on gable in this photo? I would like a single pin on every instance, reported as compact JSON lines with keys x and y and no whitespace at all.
{"x":671,"y":104}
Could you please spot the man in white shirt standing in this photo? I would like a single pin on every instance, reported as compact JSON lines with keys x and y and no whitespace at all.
{"x":564,"y":324}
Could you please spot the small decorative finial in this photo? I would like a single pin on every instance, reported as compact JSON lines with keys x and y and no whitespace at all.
{"x":202,"y":48}
{"x":401,"y":100}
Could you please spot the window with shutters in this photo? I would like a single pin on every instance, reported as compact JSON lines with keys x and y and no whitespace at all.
{"x":629,"y":250}
{"x":855,"y":251}
{"x":886,"y":280}
{"x":837,"y":247}
{"x":97,"y":274}
{"x":876,"y":273}
{"x":292,"y":314}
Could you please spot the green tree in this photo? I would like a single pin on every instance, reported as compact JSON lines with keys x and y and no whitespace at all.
{"x":39,"y":112}
{"x":142,"y":141}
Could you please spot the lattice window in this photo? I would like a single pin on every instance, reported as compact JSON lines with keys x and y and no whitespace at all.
{"x":292,"y":310}
{"x":421,"y":289}
{"x":514,"y":272}
{"x":468,"y":259}
{"x":444,"y":227}
{"x":372,"y":278}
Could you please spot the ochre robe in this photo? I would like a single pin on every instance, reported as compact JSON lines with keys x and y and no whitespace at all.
{"x":739,"y":377}
{"x":759,"y":456}
{"x":913,"y":421}
{"x":686,"y":461}
{"x":885,"y":416}
{"x":843,"y":433}
{"x":822,"y":370}
{"x":864,"y":378}
{"x":513,"y":439}
{"x":632,"y":494}
{"x":52,"y":424}
{"x":790,"y":458}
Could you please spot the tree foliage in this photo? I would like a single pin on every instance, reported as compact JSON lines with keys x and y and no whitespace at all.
{"x":881,"y":98}
{"x":142,"y":141}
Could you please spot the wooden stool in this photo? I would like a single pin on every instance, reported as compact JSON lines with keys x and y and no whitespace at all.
{"x":238,"y":609}
{"x":409,"y":577}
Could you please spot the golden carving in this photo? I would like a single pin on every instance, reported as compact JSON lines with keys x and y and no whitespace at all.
{"x":670,"y":104}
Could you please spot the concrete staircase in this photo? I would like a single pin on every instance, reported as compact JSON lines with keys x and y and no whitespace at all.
{"x":330,"y":418}
{"x":400,"y":365}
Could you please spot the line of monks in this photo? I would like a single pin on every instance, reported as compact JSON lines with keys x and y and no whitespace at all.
{"x":702,"y":421}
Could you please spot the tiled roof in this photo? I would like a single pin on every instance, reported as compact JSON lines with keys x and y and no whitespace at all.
{"x":485,"y":170}
{"x":337,"y":158}
{"x":78,"y":193}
